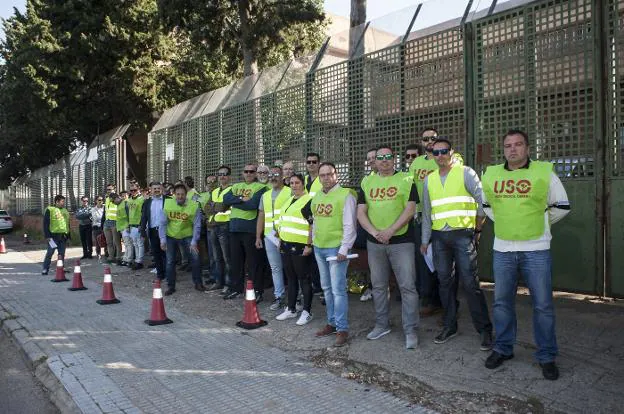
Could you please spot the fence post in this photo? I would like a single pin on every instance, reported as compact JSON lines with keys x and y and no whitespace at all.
{"x":469,"y":94}
{"x":600,"y":30}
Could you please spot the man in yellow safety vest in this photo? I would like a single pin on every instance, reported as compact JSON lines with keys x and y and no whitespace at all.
{"x":451,"y":216}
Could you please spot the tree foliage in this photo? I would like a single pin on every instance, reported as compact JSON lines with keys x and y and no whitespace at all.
{"x":260,"y":33}
{"x":74,"y":68}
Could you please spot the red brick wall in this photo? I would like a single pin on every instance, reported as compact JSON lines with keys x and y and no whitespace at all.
{"x":33,"y":223}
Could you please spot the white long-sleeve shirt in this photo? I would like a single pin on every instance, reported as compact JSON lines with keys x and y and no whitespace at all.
{"x":558,"y":208}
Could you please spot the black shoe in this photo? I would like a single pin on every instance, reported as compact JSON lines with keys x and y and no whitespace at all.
{"x":170,"y":291}
{"x":445,"y":335}
{"x":259,"y":298}
{"x":486,"y":341}
{"x":84,"y":257}
{"x":200,"y":287}
{"x":121,"y":263}
{"x":231,"y":295}
{"x":495,"y":360}
{"x":138,"y":266}
{"x":550,"y":370}
{"x":44,"y":272}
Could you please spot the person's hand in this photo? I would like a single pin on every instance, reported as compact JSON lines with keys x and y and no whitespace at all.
{"x":476,"y":238}
{"x":423,"y":249}
{"x":194,"y":248}
{"x":143,"y":233}
{"x":307,"y":251}
{"x":258,"y":243}
{"x":384,"y":236}
{"x":246,"y":198}
{"x":341,"y":257}
{"x":163,"y":247}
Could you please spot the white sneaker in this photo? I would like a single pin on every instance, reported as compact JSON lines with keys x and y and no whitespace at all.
{"x":367,"y":295}
{"x":154,"y":270}
{"x":304,"y":318}
{"x":287,"y":314}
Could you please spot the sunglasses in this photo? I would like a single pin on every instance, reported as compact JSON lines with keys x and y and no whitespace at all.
{"x":443,"y":151}
{"x":427,"y":139}
{"x":311,"y":162}
{"x":222,"y":174}
{"x":263,"y":172}
{"x":386,"y":157}
{"x":249,"y":171}
{"x":409,"y":156}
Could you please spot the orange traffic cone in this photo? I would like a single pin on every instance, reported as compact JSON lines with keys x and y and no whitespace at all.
{"x":77,"y":281}
{"x":108,"y":295}
{"x":26,"y":239}
{"x":2,"y":245}
{"x":251,"y":318}
{"x":158,"y":315}
{"x":60,"y":271}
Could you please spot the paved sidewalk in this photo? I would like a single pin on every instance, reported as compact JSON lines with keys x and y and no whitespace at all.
{"x":110,"y":361}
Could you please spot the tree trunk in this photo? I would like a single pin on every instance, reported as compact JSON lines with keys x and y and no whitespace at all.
{"x":250,"y":61}
{"x":358,"y":18}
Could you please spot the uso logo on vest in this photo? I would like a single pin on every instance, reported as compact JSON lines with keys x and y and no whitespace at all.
{"x":379,"y":194}
{"x":422,"y":173}
{"x":512,"y":189}
{"x":324,"y":210}
{"x":243,"y":192}
{"x":178,"y":215}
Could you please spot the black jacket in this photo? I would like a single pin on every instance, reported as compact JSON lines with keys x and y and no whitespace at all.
{"x":145,"y":213}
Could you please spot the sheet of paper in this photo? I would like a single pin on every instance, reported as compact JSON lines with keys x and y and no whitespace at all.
{"x":349,"y":256}
{"x":429,"y":258}
{"x":52,"y":244}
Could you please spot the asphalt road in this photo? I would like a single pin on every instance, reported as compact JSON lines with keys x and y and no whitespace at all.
{"x":20,"y":392}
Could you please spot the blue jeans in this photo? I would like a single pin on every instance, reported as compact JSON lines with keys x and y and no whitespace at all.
{"x":212,"y":265}
{"x":334,"y":284}
{"x":172,"y":249}
{"x":277,"y":268}
{"x":535,"y":268}
{"x":60,"y":245}
{"x":219,"y":238}
{"x":456,"y":247}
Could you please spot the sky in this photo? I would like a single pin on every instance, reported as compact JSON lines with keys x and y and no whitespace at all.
{"x":375,"y":8}
{"x":389,"y":15}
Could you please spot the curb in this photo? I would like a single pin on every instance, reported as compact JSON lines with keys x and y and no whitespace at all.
{"x":37,"y":361}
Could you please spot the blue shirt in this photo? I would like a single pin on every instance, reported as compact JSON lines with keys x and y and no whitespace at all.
{"x":155,"y":209}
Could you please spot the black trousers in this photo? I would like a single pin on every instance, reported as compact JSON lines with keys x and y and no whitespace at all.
{"x":158,"y":254}
{"x":243,"y":250}
{"x":86,"y":238}
{"x":298,"y":269}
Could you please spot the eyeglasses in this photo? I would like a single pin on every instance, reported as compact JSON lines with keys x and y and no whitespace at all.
{"x":222,"y":174}
{"x":410,"y":156}
{"x":427,"y":139}
{"x":275,"y":175}
{"x":249,"y":171}
{"x":386,"y":157}
{"x":311,"y":162}
{"x":263,"y":172}
{"x":443,"y":151}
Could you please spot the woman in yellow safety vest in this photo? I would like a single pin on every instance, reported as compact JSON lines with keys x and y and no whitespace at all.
{"x":296,"y":249}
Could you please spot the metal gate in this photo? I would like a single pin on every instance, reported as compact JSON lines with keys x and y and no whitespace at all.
{"x":537,"y":68}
